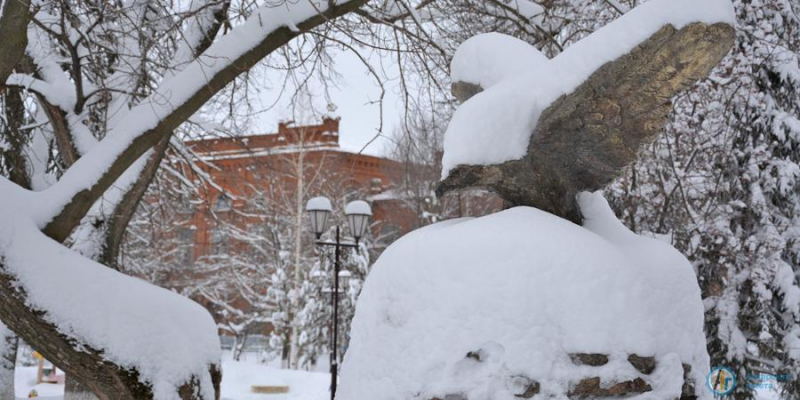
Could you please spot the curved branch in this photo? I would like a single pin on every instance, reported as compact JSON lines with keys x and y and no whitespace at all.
{"x":124,"y":210}
{"x":57,"y":115}
{"x":80,"y":198}
{"x":107,"y":380}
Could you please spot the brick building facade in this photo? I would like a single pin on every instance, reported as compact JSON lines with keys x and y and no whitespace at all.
{"x":257,"y":182}
{"x":270,"y":163}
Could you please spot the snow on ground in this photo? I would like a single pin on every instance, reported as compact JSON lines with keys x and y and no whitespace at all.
{"x":524,"y":288}
{"x":238,"y":377}
{"x":519,"y":82}
{"x":25,"y":382}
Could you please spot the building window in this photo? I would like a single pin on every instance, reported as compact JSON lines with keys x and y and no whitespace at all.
{"x":219,"y":241}
{"x":185,"y":205}
{"x":186,"y":235}
{"x":186,"y":246}
{"x":223,"y":203}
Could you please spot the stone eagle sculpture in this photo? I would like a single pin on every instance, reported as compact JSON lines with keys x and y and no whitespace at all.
{"x":585,"y":139}
{"x":521,"y":303}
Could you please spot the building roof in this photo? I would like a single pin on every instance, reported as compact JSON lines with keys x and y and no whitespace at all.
{"x":288,"y":139}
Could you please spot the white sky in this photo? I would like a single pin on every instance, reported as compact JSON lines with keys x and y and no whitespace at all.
{"x":356,"y":91}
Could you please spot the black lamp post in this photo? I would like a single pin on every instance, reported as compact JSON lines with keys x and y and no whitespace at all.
{"x":358,"y":213}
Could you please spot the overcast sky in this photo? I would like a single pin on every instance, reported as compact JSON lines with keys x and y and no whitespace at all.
{"x":360,"y":119}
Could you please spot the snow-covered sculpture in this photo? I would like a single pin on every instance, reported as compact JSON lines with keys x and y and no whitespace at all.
{"x":522,"y":303}
{"x":511,"y":303}
{"x":542,"y":130}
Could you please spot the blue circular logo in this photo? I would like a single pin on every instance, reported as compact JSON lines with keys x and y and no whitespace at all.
{"x":721,"y":381}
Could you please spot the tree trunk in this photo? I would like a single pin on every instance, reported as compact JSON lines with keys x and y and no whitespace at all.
{"x":12,"y":156}
{"x":294,"y":345}
{"x":585,"y":139}
{"x":8,"y":358}
{"x":13,"y":35}
{"x":238,"y":346}
{"x":106,"y":379}
{"x":73,"y":390}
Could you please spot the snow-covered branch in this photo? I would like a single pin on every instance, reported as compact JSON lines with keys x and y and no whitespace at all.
{"x":172,"y":103}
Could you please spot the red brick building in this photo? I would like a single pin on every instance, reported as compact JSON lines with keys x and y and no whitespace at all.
{"x":253,"y":184}
{"x":271,"y":163}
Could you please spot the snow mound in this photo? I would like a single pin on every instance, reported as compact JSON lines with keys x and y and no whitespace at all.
{"x":519,"y":83}
{"x":523,"y":289}
{"x":165,"y":336}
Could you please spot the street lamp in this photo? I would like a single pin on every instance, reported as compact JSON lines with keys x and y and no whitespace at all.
{"x":358,"y":213}
{"x":319,"y":208}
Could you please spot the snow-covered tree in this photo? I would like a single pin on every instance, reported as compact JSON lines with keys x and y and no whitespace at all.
{"x":721,"y":185}
{"x":316,"y":315}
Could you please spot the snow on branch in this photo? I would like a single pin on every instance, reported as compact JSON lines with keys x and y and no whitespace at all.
{"x":140,"y":350}
{"x":142,"y":327}
{"x":59,"y":208}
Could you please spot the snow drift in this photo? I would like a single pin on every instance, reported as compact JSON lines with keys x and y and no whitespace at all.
{"x":524,"y":289}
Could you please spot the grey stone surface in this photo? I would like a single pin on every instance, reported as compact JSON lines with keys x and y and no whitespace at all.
{"x":585,"y":139}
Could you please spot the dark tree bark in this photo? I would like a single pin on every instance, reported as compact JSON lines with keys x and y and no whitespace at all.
{"x":12,"y":157}
{"x":73,"y":390}
{"x":584,"y":140}
{"x":13,"y":35}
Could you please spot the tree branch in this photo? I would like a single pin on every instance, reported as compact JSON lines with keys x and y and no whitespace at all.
{"x":80,"y":360}
{"x":78,"y":198}
{"x":124,"y":210}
